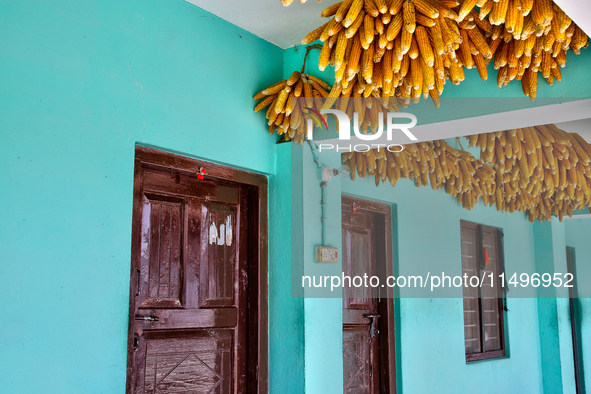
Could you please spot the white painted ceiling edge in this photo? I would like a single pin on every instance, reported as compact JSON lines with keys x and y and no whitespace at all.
{"x":268,"y":19}
{"x":583,"y":216}
{"x":571,"y":117}
{"x":579,"y":11}
{"x":286,"y":26}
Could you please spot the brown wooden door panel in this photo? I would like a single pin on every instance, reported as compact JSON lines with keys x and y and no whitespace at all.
{"x":218,"y":255}
{"x":189,"y":318}
{"x":368,"y":321}
{"x":356,"y":360}
{"x":201,"y":363}
{"x":207,"y":269}
{"x":178,"y":184}
{"x":360,"y":349}
{"x":359,"y":259}
{"x":160,"y":283}
{"x":190,"y":313}
{"x":192,"y":252}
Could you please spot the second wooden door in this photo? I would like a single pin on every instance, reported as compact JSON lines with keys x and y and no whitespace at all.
{"x":368,"y":318}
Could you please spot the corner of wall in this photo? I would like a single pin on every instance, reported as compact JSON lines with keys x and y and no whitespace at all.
{"x":553,"y":313}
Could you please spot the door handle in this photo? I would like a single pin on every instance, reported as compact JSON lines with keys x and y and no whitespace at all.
{"x":147,"y":318}
{"x":373,"y":331}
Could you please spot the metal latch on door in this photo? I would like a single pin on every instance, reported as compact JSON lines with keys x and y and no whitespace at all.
{"x":373,"y":331}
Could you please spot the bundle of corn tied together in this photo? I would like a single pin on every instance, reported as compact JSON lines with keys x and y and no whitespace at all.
{"x":409,"y":48}
{"x":435,"y":163}
{"x":542,"y":170}
{"x":391,"y":48}
{"x":527,"y":37}
{"x":286,"y":114}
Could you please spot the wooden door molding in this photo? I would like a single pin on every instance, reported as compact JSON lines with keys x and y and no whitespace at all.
{"x":256,"y":199}
{"x":575,"y":322}
{"x":386,"y":324}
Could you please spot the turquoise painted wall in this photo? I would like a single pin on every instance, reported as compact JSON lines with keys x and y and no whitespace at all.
{"x":83,"y":82}
{"x":550,"y":312}
{"x":578,"y":236}
{"x":286,"y":320}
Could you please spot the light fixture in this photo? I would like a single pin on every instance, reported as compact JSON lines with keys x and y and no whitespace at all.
{"x":328,"y":173}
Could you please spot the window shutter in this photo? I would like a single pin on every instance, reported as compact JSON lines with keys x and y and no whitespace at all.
{"x":491,"y":315}
{"x":472,"y":320}
{"x":482,"y":256}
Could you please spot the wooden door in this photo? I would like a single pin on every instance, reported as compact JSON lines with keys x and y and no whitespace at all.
{"x":189,"y":317}
{"x":368,"y":320}
{"x":575,"y":321}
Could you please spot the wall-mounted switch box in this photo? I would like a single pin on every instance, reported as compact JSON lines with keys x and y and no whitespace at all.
{"x":327,"y":254}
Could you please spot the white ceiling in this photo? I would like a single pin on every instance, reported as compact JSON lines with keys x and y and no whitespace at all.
{"x":581,"y":127}
{"x":268,"y":19}
{"x":579,"y":11}
{"x":286,"y":26}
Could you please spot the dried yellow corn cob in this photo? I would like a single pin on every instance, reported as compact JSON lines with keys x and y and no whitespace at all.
{"x":331,"y":10}
{"x":467,"y":6}
{"x":408,"y":12}
{"x":342,"y":10}
{"x":354,"y":10}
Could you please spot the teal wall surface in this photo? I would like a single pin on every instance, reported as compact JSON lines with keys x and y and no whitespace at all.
{"x":83,"y":82}
{"x":286,"y":320}
{"x":545,"y":236}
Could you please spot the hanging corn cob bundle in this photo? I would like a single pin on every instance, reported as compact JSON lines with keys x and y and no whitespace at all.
{"x":289,"y":117}
{"x":287,"y":102}
{"x":416,"y":161}
{"x":527,"y":37}
{"x":542,"y":170}
{"x":409,"y":48}
{"x":472,"y":181}
{"x":401,"y":48}
{"x":426,"y":163}
{"x":432,"y":163}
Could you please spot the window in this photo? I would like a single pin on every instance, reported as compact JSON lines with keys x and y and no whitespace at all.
{"x":482,"y":255}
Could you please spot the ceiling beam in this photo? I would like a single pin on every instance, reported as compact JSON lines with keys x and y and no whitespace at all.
{"x":555,"y":113}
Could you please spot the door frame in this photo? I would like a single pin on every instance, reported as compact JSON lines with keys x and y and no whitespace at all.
{"x":387,"y":324}
{"x":573,"y":298}
{"x":258,"y":295}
